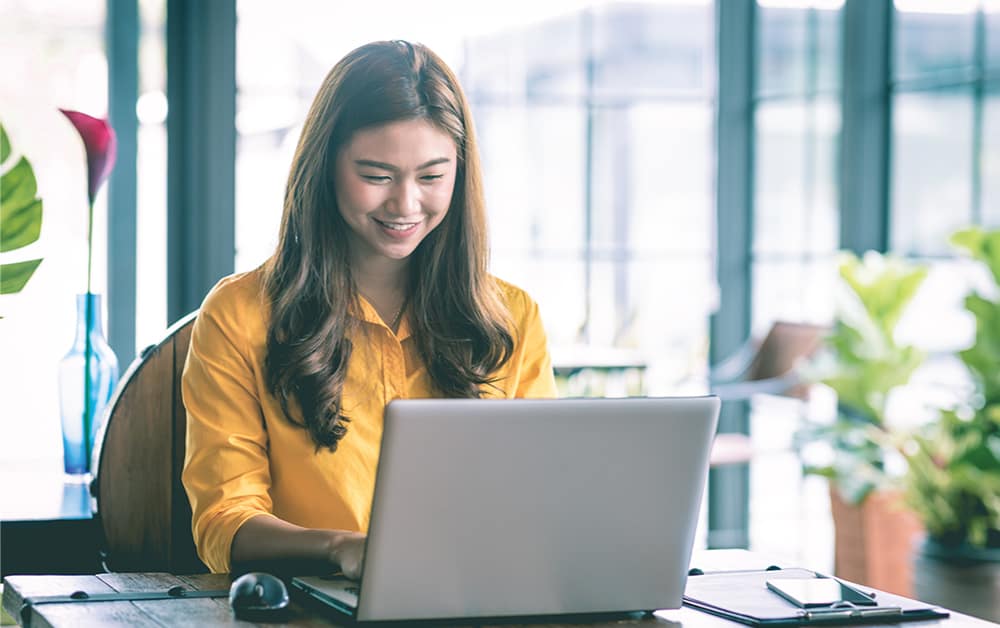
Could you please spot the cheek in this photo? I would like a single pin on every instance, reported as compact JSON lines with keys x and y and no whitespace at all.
{"x":442,"y":197}
{"x":354,"y":197}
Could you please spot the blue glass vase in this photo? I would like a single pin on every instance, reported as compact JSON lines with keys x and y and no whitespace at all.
{"x":81,"y":419}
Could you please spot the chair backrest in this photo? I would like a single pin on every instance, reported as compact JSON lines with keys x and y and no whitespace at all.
{"x":785,"y":344}
{"x":143,"y":509}
{"x":768,"y":366}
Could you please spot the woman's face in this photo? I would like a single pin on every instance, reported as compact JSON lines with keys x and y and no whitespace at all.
{"x":394,"y":185}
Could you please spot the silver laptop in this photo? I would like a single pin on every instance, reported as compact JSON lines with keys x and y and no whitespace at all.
{"x":498,"y":508}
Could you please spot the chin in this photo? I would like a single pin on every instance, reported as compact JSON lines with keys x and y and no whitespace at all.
{"x":399,"y":253}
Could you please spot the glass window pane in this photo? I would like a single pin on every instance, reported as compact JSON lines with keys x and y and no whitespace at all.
{"x":556,"y":281}
{"x":795,"y":202}
{"x":829,"y":48}
{"x":799,"y":44}
{"x":534,"y":160}
{"x":151,"y":177}
{"x":648,"y":200}
{"x":636,"y":308}
{"x":931,"y":170}
{"x":521,"y":60}
{"x":793,"y":290}
{"x":53,"y":58}
{"x":671,"y":299}
{"x":648,"y":47}
{"x":990,"y":177}
{"x":992,"y":16}
{"x":782,"y":45}
{"x":931,"y":36}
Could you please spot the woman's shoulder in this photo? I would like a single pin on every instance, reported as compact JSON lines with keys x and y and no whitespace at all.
{"x":237,"y":297}
{"x":517,"y":300}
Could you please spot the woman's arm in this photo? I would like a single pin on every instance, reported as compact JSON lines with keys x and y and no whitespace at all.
{"x":266,"y":542}
{"x":227,"y":471}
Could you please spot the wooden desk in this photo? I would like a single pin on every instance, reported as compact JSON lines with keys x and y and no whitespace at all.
{"x":215,"y":612}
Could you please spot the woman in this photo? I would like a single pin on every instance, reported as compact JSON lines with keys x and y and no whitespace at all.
{"x":377,"y":290}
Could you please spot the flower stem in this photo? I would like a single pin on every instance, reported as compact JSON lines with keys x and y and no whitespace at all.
{"x":88,"y":385}
{"x":89,"y":349}
{"x":90,"y":246}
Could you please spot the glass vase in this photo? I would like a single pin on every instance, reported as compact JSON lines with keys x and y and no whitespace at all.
{"x":81,"y":419}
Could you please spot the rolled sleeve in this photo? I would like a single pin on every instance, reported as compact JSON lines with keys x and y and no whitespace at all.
{"x":226,"y":470}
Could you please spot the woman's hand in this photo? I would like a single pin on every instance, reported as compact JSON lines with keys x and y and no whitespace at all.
{"x":266,"y":543}
{"x":347,"y":551}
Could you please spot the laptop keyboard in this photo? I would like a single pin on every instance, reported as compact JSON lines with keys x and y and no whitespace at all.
{"x":343,"y":584}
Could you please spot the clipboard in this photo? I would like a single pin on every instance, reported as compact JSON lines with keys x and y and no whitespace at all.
{"x":743,"y":596}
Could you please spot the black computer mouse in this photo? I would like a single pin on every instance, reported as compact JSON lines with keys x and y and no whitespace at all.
{"x":258,"y":596}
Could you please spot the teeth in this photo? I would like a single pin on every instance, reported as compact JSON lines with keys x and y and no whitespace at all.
{"x":397,"y":226}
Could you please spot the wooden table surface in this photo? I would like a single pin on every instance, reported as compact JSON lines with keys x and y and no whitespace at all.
{"x":304,"y":612}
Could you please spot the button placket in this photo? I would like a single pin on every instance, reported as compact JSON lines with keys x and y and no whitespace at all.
{"x":394,"y":375}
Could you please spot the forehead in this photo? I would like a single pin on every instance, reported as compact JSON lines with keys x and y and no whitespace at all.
{"x":401,"y":143}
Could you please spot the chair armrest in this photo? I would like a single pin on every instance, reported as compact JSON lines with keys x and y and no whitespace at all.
{"x":733,"y":366}
{"x":740,"y":391}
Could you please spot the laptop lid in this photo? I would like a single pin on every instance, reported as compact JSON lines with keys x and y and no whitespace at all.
{"x":490,"y":508}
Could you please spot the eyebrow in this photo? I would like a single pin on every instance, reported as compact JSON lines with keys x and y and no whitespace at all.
{"x":384,"y":166}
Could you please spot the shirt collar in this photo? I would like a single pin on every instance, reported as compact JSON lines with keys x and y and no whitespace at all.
{"x":370,"y":315}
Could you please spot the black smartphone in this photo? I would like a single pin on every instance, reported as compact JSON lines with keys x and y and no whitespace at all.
{"x":818,"y":592}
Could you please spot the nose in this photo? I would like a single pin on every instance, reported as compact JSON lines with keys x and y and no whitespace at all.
{"x":405,"y":200}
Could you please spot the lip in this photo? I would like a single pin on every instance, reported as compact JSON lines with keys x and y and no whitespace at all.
{"x":395,"y":233}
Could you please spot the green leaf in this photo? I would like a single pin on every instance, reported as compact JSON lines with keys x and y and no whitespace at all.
{"x":981,"y":245}
{"x":18,"y":186}
{"x":20,"y":210}
{"x":19,"y":226}
{"x":20,"y":217}
{"x":14,"y":276}
{"x":4,"y":145}
{"x":884,"y":285}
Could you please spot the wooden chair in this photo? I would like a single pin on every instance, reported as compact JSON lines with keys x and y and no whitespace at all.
{"x":769,"y":366}
{"x":765,"y":367}
{"x":142,"y":507}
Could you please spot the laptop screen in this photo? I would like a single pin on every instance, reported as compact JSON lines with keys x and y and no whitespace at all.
{"x":491,"y":508}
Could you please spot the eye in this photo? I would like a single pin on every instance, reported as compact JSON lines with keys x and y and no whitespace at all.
{"x":431,"y":177}
{"x":376,"y":178}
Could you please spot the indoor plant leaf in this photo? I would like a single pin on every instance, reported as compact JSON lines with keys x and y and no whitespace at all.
{"x":14,"y":276}
{"x":981,"y":245}
{"x":18,"y":185}
{"x":4,"y":145}
{"x":862,"y":363}
{"x":20,"y":226}
{"x":20,"y":217}
{"x":953,"y":480}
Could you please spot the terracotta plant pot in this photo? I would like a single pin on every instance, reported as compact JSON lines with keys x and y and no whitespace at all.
{"x":961,"y":578}
{"x":875,"y":541}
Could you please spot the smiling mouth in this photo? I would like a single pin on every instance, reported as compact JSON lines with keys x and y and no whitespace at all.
{"x":396,"y":226}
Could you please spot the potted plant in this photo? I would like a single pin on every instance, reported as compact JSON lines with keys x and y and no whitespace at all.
{"x":953,"y":476}
{"x":863,"y":363}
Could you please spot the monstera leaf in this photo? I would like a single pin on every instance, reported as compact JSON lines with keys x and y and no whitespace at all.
{"x":20,"y":217}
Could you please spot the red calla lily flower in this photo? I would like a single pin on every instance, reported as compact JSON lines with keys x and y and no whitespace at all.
{"x":101,"y":145}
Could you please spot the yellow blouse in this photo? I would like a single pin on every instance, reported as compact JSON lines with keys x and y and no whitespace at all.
{"x":245,"y":459}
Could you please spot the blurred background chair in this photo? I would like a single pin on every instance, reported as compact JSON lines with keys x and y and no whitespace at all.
{"x":142,"y":508}
{"x":770,"y":366}
{"x":762,"y":367}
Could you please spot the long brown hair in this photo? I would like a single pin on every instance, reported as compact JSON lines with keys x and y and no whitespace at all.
{"x":459,"y":321}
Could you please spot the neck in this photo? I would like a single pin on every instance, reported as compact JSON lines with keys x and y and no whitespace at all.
{"x":380,"y":277}
{"x":382,"y":281}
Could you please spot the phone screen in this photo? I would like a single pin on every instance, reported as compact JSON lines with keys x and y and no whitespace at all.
{"x":816,"y":592}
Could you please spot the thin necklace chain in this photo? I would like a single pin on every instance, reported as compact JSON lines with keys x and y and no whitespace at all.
{"x":397,"y":316}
